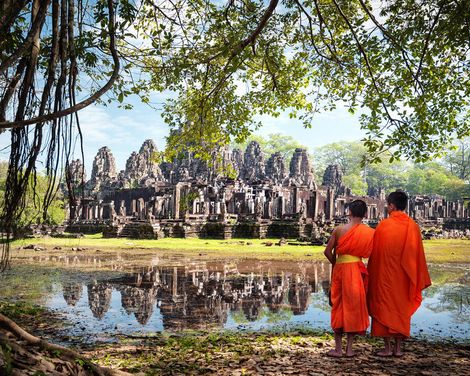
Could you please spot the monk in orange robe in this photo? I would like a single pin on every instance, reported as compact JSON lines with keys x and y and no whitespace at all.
{"x":397,"y":275}
{"x":350,"y":243}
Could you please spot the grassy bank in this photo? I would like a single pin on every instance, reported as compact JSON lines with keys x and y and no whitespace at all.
{"x":447,"y":250}
{"x":437,"y":251}
{"x":205,"y":248}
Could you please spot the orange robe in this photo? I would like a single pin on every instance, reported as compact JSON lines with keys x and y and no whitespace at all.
{"x":397,"y":274}
{"x":349,"y":282}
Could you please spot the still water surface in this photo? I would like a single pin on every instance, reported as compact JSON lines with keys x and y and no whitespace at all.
{"x":245,"y":295}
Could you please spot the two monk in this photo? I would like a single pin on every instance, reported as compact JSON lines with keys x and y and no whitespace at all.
{"x":350,"y":242}
{"x":397,"y":275}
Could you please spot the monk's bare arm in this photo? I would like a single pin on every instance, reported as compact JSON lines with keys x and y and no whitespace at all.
{"x":330,"y":247}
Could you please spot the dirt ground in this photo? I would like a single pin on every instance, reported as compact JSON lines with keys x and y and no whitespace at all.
{"x":288,"y":354}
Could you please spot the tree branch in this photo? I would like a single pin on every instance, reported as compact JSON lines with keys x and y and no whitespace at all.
{"x":35,"y":29}
{"x":428,"y":38}
{"x":241,"y":46}
{"x":366,"y":59}
{"x":333,"y":57}
{"x":65,"y":352}
{"x":393,"y":40}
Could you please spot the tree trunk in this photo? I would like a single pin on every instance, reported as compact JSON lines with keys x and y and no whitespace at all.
{"x":21,"y":353}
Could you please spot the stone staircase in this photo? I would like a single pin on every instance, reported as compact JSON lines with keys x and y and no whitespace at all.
{"x":137,"y":230}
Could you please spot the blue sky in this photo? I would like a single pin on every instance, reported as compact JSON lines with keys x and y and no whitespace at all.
{"x":124,"y":131}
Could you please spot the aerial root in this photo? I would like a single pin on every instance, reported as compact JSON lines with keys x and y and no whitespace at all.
{"x":65,"y":361}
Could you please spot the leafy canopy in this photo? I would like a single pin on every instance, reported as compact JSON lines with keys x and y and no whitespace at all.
{"x":403,"y":63}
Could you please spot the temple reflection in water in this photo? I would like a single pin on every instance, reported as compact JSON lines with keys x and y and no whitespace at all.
{"x":201,"y":295}
{"x":72,"y":293}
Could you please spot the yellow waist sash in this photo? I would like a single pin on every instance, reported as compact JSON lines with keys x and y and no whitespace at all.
{"x":342,"y":259}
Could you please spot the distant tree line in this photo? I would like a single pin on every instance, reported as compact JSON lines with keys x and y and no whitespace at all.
{"x":447,"y":176}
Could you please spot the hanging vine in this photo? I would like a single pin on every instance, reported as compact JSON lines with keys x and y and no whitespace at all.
{"x":38,"y":102}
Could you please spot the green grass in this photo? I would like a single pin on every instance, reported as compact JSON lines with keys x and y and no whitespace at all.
{"x":18,"y":310}
{"x":297,"y":351}
{"x":447,"y":250}
{"x":26,"y":283}
{"x":234,"y":248}
{"x":437,"y":251}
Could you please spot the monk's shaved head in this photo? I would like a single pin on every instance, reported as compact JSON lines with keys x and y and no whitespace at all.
{"x":357,"y":208}
{"x":399,"y":199}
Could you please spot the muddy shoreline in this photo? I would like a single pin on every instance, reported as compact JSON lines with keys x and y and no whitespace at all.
{"x":301,"y":352}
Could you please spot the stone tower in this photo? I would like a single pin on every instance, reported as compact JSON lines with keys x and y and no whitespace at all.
{"x":237,"y":162}
{"x":254,"y":168}
{"x":77,"y":172}
{"x":276,"y":169}
{"x":333,"y":176}
{"x":301,"y":170}
{"x":103,"y":172}
{"x":142,"y":168}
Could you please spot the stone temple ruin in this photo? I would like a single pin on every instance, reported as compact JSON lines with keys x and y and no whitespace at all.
{"x":237,"y":194}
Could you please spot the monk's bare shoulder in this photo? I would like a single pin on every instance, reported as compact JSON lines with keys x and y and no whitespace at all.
{"x":339,"y":230}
